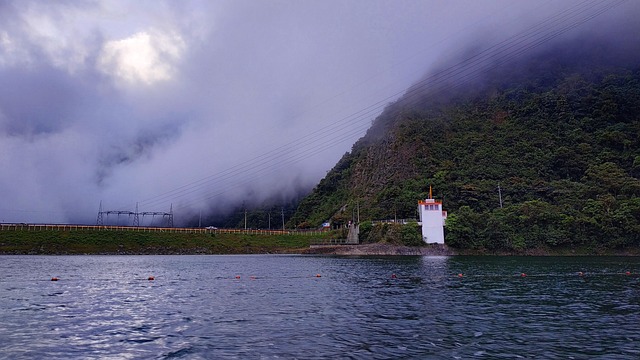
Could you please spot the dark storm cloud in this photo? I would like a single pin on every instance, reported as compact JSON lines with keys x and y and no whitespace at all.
{"x":208,"y":104}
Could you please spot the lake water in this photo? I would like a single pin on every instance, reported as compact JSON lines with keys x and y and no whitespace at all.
{"x":104,"y":307}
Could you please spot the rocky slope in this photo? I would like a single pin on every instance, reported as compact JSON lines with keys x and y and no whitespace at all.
{"x":557,"y":132}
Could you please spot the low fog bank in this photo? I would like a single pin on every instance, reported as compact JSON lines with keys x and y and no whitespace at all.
{"x":207,"y":108}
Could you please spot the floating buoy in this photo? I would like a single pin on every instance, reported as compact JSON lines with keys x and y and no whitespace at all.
{"x":318,"y":275}
{"x":628,"y":273}
{"x":580,"y":273}
{"x":523,"y":275}
{"x":393,"y":276}
{"x":54,"y":279}
{"x":460,"y":275}
{"x":151,"y":278}
{"x":252,"y":277}
{"x":237,"y":276}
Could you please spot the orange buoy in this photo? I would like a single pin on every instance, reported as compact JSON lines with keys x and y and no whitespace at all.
{"x":237,"y":276}
{"x":523,"y":275}
{"x":393,"y":276}
{"x":252,"y":277}
{"x":54,"y":279}
{"x":628,"y":273}
{"x":151,"y":278}
{"x":317,"y":275}
{"x":460,"y":275}
{"x":580,"y":273}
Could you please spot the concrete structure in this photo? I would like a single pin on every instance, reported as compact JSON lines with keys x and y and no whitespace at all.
{"x":354,"y":232}
{"x":432,"y":219}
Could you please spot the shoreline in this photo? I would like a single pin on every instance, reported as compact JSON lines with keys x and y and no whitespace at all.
{"x":376,"y":249}
{"x":87,"y":242}
{"x":379,"y":249}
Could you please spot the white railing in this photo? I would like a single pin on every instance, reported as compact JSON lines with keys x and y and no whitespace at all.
{"x":66,"y":227}
{"x":394,"y":221}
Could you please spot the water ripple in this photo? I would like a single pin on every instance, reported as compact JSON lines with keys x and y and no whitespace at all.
{"x":196,"y":308}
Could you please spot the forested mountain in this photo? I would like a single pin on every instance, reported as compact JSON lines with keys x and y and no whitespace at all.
{"x":557,"y":131}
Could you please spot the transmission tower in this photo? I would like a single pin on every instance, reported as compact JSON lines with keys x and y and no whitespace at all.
{"x":136,"y":215}
{"x":136,"y":218}
{"x":170,"y":217}
{"x":99,"y":220}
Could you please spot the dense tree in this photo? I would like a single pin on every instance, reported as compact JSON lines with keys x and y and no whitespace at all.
{"x":562,"y":141}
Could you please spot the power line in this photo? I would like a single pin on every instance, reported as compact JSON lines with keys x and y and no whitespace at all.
{"x":351,"y":125}
{"x":204,"y":180}
{"x":513,"y":54}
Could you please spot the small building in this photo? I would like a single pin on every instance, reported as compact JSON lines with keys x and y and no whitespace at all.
{"x":432,"y":219}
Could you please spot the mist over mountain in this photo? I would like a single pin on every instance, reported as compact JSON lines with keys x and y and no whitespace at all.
{"x":208,"y":107}
{"x":539,"y":148}
{"x":258,"y":211}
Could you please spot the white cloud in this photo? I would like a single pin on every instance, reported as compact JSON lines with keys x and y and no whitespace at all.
{"x":205,"y":86}
{"x":58,"y":34}
{"x":10,"y":52}
{"x":145,"y":57}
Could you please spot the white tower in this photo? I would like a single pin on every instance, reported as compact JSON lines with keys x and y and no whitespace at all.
{"x":432,"y":219}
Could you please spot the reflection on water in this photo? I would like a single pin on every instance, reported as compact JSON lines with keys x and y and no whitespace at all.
{"x":261,"y":306}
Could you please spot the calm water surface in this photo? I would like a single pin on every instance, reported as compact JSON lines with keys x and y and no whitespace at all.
{"x":104,"y":307}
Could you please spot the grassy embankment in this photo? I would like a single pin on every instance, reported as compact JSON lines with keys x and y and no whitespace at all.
{"x":128,"y":242}
{"x":56,"y":242}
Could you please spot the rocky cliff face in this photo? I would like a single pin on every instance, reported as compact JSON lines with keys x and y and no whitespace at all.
{"x":558,"y":132}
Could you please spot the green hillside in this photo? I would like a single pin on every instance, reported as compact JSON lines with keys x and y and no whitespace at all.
{"x":558,"y":132}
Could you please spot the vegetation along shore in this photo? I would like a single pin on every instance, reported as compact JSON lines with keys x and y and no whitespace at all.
{"x":55,"y":242}
{"x":93,"y":242}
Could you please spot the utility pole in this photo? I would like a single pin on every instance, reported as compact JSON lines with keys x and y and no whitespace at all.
{"x":353,"y":215}
{"x":282,"y":219}
{"x":245,"y":218}
{"x":269,"y":220}
{"x":200,"y":220}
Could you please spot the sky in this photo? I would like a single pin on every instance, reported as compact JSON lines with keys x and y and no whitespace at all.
{"x":197,"y":106}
